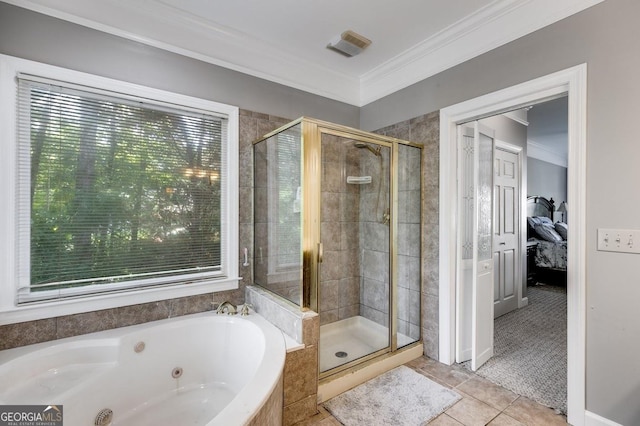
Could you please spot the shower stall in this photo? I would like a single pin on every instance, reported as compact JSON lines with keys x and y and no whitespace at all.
{"x":337,"y":217}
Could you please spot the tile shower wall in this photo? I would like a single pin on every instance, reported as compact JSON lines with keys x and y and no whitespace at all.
{"x":425,"y":130}
{"x":339,"y":287}
{"x":252,"y":126}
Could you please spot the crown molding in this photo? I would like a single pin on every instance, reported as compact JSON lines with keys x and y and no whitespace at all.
{"x":492,"y":26}
{"x":186,"y":34}
{"x":542,"y":153}
{"x":519,"y":116}
{"x":208,"y":42}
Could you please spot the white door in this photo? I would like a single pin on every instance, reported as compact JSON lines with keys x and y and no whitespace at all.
{"x":474,"y":284}
{"x":506,"y":245}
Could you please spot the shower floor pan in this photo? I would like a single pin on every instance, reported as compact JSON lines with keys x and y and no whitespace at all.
{"x":352,"y":338}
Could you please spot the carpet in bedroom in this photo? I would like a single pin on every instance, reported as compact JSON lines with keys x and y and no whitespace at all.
{"x":530,"y":349}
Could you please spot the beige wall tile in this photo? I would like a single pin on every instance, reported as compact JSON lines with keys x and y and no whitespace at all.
{"x":300,"y":374}
{"x":27,"y":333}
{"x":89,"y":322}
{"x":271,"y":412}
{"x":311,"y":330}
{"x":299,"y":411}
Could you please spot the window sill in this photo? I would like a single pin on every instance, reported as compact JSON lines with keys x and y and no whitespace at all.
{"x":41,"y":310}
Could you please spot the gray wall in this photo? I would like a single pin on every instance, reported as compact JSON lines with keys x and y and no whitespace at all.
{"x":549,"y":181}
{"x":605,"y":37}
{"x":41,"y":38}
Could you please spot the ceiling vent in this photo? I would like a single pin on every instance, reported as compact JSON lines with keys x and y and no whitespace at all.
{"x":349,"y":43}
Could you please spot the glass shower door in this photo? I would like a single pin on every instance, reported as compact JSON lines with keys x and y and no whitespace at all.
{"x":354,"y":276}
{"x":409,"y":243}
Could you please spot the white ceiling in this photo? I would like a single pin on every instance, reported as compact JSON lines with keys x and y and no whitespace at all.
{"x":285,"y":40}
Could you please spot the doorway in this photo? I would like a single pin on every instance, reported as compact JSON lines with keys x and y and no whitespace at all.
{"x":571,"y":82}
{"x":529,"y":354}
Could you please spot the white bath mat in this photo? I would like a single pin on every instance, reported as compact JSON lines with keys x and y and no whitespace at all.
{"x":398,"y":397}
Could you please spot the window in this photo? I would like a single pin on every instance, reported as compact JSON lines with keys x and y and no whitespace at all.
{"x":119,"y":189}
{"x":287,"y":196}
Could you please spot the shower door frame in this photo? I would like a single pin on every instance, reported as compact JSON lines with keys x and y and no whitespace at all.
{"x":350,"y":134}
{"x":312,"y":251}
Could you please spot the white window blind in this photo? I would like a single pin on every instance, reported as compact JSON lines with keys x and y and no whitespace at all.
{"x":115,"y":193}
{"x":289,"y":199}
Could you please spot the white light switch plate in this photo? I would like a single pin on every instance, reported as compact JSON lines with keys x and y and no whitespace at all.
{"x":619,"y":240}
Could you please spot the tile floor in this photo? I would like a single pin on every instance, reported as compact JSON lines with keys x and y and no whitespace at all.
{"x":482,"y":403}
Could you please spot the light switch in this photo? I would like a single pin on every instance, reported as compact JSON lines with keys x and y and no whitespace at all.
{"x":619,"y":240}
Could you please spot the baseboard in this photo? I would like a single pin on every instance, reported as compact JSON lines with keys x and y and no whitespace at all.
{"x":592,"y":419}
{"x":523,"y":302}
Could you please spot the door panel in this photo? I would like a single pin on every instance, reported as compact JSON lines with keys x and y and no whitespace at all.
{"x":496,"y":276}
{"x":509,"y":225}
{"x":482,"y":315}
{"x":506,"y":238}
{"x":509,"y":273}
{"x":482,"y":320}
{"x":475,"y":256}
{"x":465,"y":256}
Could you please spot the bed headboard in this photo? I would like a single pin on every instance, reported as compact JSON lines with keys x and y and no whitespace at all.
{"x":540,"y":206}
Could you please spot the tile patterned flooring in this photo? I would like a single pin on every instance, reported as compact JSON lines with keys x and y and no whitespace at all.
{"x":482,"y":403}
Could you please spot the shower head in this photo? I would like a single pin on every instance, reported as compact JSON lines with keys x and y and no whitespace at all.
{"x":375,"y":151}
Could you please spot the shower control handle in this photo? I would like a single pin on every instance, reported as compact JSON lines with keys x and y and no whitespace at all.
{"x":320,"y":253}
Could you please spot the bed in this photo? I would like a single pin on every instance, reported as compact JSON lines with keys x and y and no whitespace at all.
{"x":549,"y":238}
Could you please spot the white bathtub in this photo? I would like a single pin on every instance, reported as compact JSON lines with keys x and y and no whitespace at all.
{"x":231,"y":367}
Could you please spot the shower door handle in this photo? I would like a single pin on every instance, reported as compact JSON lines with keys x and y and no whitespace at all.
{"x":320,"y":252}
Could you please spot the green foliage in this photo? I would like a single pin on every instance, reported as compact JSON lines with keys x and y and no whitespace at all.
{"x":120,"y":190}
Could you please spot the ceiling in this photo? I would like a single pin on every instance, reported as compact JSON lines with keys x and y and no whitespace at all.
{"x":548,"y":131}
{"x":285,"y":41}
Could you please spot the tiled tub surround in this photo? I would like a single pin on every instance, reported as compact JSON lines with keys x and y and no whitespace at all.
{"x":174,"y":371}
{"x":301,"y":364}
{"x":252,"y":126}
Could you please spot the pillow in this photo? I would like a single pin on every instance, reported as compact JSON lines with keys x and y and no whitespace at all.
{"x":533,"y":221}
{"x":544,"y":219}
{"x":548,"y":233}
{"x":561,"y":228}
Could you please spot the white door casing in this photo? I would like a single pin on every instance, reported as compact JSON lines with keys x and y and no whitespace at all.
{"x":506,"y":229}
{"x":573,"y":83}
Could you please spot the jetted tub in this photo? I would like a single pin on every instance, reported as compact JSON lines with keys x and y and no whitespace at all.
{"x":202,"y":369}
